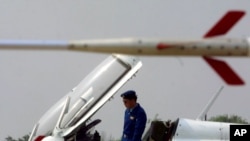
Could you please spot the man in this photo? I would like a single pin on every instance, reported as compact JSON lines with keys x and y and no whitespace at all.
{"x":135,"y":117}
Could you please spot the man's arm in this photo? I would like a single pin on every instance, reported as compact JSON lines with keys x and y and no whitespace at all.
{"x":139,"y":125}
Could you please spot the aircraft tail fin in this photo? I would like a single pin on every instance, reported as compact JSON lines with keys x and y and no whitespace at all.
{"x":225,"y":23}
{"x":224,"y":71}
{"x":221,"y":28}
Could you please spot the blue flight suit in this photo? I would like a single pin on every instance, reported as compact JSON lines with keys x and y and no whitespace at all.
{"x":134,"y":124}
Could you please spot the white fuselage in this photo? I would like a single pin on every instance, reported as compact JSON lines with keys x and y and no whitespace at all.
{"x":196,"y":130}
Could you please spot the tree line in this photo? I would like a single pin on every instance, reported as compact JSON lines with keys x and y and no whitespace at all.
{"x":220,"y":118}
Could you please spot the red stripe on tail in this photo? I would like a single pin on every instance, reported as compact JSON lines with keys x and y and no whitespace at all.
{"x":225,"y":71}
{"x":225,"y":24}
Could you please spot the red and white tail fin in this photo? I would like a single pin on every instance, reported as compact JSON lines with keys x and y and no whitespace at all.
{"x":225,"y":23}
{"x":221,"y":28}
{"x":225,"y":71}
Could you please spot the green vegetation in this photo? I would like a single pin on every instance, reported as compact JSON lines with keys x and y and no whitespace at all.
{"x":24,"y":138}
{"x":229,"y":119}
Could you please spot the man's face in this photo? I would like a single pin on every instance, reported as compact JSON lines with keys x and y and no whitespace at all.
{"x":129,"y":103}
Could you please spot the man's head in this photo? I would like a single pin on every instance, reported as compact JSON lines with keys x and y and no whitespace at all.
{"x":129,"y":99}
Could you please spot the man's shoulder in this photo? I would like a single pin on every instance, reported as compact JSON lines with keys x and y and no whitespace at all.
{"x":140,"y":109}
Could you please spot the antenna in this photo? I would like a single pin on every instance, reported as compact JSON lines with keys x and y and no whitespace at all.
{"x":203,"y":114}
{"x":33,"y":133}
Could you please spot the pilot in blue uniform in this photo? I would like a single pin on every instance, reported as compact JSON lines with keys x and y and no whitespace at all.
{"x":135,"y":117}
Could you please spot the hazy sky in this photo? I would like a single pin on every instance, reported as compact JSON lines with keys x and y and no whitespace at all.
{"x":32,"y":81}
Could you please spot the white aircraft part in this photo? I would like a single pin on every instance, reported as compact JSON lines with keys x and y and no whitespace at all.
{"x":34,"y":44}
{"x":112,"y":76}
{"x":207,"y":47}
{"x":64,"y":111}
{"x":194,"y":130}
{"x":52,"y":138}
{"x":201,"y":47}
{"x":94,"y":91}
{"x":82,"y":102}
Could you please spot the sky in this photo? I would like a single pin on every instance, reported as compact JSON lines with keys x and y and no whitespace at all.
{"x":167,"y":86}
